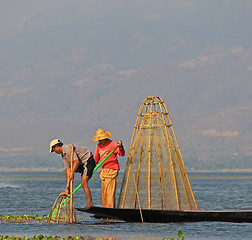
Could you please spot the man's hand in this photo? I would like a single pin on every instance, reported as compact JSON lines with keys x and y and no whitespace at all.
{"x":66,"y":192}
{"x":71,"y":177}
{"x":120,"y":144}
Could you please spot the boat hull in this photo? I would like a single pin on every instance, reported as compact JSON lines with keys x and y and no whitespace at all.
{"x":166,"y":216}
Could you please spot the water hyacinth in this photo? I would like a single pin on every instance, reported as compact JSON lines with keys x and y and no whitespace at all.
{"x":21,"y":219}
{"x":27,"y":218}
{"x":180,"y":237}
{"x":42,"y":237}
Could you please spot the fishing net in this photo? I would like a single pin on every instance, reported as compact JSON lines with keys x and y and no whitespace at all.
{"x":61,"y":211}
{"x":155,"y":163}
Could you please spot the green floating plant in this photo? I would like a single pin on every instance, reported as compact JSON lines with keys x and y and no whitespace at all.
{"x":25,"y":216}
{"x":42,"y":237}
{"x":20,"y":219}
{"x":180,"y":237}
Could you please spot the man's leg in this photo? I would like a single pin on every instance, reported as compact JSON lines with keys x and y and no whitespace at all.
{"x":103,"y":188}
{"x":111,"y":192}
{"x":84,"y":183}
{"x":108,"y":187}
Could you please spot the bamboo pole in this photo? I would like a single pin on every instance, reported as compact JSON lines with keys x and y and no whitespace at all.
{"x":188,"y":183}
{"x":138,"y":198}
{"x":173,"y":175}
{"x":67,"y":209}
{"x":71,"y":187}
{"x":181,"y":174}
{"x":149,"y":162}
{"x":139,"y":166}
{"x":160,"y":167}
{"x":183,"y":180}
{"x":156,"y":127}
{"x":168,"y":124}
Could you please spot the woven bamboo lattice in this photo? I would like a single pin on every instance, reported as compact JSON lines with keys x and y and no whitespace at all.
{"x":155,"y":176}
{"x":61,"y":211}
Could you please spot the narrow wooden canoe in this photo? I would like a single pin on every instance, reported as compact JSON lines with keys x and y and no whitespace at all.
{"x":165,"y":216}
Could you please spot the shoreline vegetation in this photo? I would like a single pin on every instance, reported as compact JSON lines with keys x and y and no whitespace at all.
{"x":42,"y":237}
{"x":41,"y":169}
{"x":21,"y":219}
{"x":11,"y":219}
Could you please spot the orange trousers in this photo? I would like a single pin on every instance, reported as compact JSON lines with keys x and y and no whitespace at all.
{"x":108,"y":187}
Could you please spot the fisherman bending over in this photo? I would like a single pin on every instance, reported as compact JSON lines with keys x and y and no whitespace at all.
{"x":83,"y":162}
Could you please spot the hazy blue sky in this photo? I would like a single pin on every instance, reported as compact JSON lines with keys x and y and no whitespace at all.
{"x":224,"y":13}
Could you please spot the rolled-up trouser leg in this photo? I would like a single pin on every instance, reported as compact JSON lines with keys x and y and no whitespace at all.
{"x":108,"y":187}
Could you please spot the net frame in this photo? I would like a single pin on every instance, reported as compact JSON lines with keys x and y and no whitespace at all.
{"x":61,"y":211}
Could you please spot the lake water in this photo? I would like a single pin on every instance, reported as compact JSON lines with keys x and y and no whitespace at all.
{"x":35,"y":193}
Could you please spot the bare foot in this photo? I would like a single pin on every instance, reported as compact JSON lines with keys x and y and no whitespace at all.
{"x":88,"y":206}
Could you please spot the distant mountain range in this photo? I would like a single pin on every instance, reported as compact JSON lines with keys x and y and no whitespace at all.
{"x":67,"y":79}
{"x":209,"y":100}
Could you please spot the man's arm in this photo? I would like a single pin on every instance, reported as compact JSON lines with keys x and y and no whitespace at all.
{"x":67,"y":188}
{"x":75,"y":166}
{"x":70,"y":176}
{"x":121,"y":151}
{"x":96,"y":155}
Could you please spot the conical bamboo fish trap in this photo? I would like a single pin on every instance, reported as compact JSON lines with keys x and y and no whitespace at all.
{"x":155,"y":176}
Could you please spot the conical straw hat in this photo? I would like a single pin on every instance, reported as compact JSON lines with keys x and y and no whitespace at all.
{"x":101,"y":134}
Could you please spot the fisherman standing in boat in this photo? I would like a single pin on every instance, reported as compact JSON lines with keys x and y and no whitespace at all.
{"x":110,"y":167}
{"x":83,"y":162}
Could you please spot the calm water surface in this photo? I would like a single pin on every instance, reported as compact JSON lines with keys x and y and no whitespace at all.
{"x":35,"y":193}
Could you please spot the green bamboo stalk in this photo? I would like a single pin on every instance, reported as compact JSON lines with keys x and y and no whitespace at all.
{"x":97,"y":167}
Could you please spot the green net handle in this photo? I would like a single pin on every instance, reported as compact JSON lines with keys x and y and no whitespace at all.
{"x":98,"y":166}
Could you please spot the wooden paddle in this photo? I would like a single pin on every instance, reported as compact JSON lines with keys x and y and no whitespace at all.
{"x":71,"y":187}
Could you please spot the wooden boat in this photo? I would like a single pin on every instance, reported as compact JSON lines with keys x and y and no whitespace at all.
{"x":166,"y":216}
